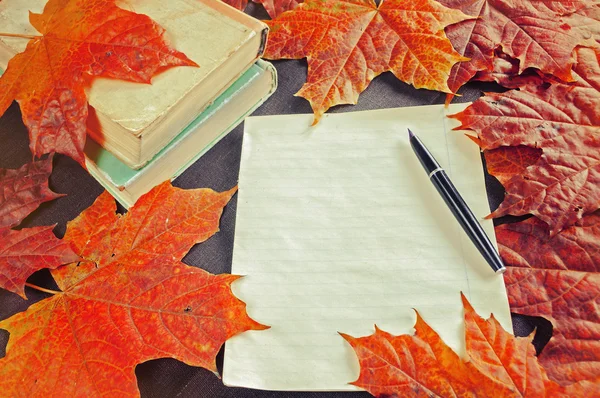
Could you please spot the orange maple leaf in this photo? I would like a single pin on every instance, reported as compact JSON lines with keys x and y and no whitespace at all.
{"x":348,"y":43}
{"x":133,"y":302}
{"x":81,"y":40}
{"x":498,"y":364}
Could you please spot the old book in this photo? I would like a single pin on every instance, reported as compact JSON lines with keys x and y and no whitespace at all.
{"x":246,"y":94}
{"x":135,"y":121}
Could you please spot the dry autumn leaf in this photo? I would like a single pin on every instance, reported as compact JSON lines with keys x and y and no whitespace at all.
{"x":28,"y":250}
{"x":23,"y":190}
{"x":508,"y":161}
{"x":273,"y":7}
{"x":497,"y":365}
{"x":505,"y":72}
{"x":564,"y":121}
{"x":558,"y":278}
{"x":80,"y":40}
{"x":133,"y":302}
{"x":539,"y":34}
{"x":348,"y":43}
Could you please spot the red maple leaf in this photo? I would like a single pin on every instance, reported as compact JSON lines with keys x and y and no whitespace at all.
{"x":539,"y":34}
{"x":508,"y":161}
{"x":133,"y":302}
{"x":80,"y":40}
{"x":558,"y":278}
{"x":28,"y":250}
{"x":564,"y":121}
{"x":23,"y":190}
{"x":348,"y":43}
{"x":497,"y":364}
{"x":505,"y":72}
{"x":277,"y":7}
{"x":273,"y":7}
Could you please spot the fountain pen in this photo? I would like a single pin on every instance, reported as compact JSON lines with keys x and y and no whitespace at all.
{"x":457,"y":205}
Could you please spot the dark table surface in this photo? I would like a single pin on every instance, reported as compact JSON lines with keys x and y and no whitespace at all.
{"x":218,"y":169}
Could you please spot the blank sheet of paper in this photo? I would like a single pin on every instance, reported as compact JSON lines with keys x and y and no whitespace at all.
{"x":338,"y":229}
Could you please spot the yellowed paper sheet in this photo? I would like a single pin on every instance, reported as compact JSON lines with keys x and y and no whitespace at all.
{"x":338,"y":229}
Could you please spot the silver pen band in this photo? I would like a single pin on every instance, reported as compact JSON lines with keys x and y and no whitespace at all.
{"x":435,"y":171}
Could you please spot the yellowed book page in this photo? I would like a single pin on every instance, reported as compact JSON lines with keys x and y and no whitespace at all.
{"x":197,"y":30}
{"x":338,"y":229}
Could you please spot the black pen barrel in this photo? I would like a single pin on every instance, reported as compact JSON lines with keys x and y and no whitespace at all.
{"x":466,"y":218}
{"x":457,"y":204}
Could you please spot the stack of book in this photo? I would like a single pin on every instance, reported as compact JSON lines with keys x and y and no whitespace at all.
{"x":140,"y":135}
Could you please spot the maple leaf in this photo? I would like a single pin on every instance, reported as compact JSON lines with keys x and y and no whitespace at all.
{"x":505,"y":72}
{"x":508,"y":161}
{"x":81,"y":40}
{"x":348,"y":43}
{"x":539,"y":34}
{"x":558,"y":278}
{"x":29,"y":250}
{"x":136,"y":301}
{"x":498,"y":363}
{"x":26,"y":251}
{"x":23,"y":190}
{"x":273,"y":7}
{"x":564,"y":121}
{"x":276,"y":7}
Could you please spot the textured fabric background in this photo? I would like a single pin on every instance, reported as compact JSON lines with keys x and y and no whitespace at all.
{"x":218,"y":169}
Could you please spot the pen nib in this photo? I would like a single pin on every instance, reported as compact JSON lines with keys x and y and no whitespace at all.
{"x":410,"y":134}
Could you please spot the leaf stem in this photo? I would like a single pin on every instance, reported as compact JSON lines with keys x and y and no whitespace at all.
{"x":18,"y":35}
{"x":41,"y":289}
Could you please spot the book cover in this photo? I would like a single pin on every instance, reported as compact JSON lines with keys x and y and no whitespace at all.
{"x":134,"y":120}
